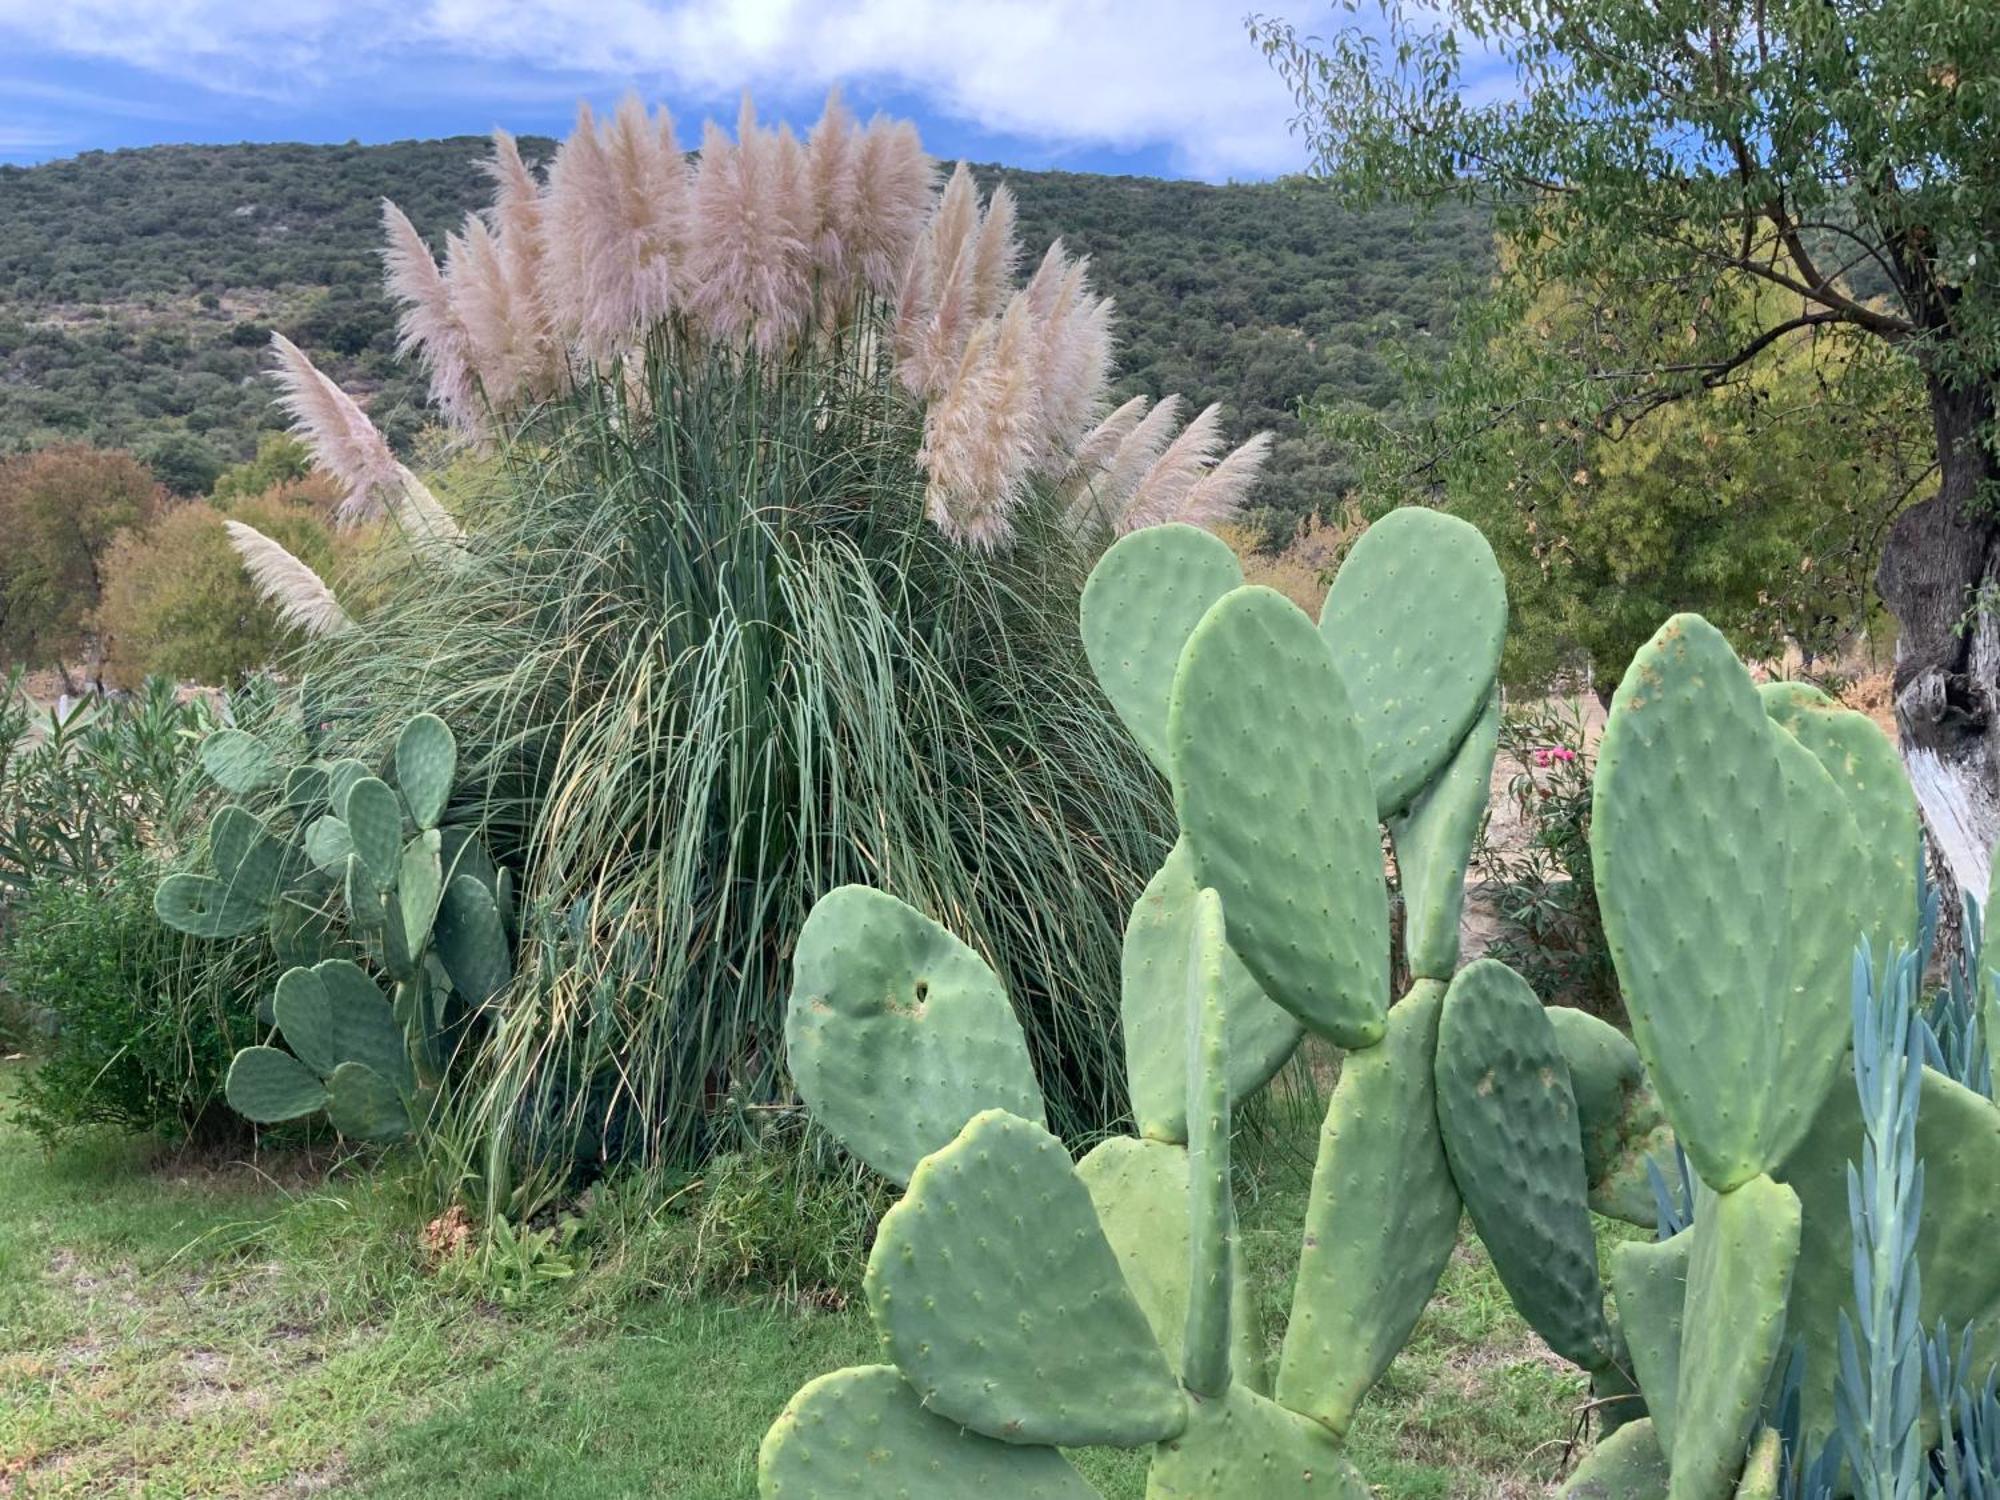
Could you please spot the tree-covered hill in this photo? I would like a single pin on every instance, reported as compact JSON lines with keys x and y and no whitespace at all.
{"x":137,"y":288}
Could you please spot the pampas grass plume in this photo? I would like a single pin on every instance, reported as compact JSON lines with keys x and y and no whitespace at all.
{"x":299,"y":595}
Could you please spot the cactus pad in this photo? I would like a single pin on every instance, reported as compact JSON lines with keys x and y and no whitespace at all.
{"x":470,"y":940}
{"x":365,"y":1106}
{"x":1745,"y":1243}
{"x":1211,"y":1206}
{"x":374,"y":819}
{"x":268,"y":1086}
{"x":419,"y":886}
{"x":1261,"y":1035}
{"x":1434,"y":840}
{"x":1649,"y":1284}
{"x":1416,"y":618}
{"x":1271,"y":785}
{"x":1510,"y":1131}
{"x":1623,"y":1126}
{"x":306,"y":788}
{"x":1726,"y":862}
{"x":1380,"y":1223}
{"x":202,"y":906}
{"x":238,"y":762}
{"x":328,"y":844}
{"x":863,"y":1432}
{"x":1244,"y":1447}
{"x":898,"y":1033}
{"x":340,"y":779}
{"x":1762,"y":1468}
{"x":998,"y":1297}
{"x":1867,"y":768}
{"x":426,"y":762}
{"x":1140,"y":1191}
{"x":1626,"y":1465}
{"x":1143,"y":600}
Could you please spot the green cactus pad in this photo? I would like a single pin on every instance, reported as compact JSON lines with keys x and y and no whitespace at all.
{"x":365,"y":1106}
{"x":1745,"y":1243}
{"x":340,"y":779}
{"x":334,"y":1013}
{"x":1761,"y":1469}
{"x":897,"y":1032}
{"x":270,"y":1086}
{"x":1623,"y":1125}
{"x":1649,"y":1284}
{"x":363,"y":896}
{"x":419,"y":887}
{"x":328,"y":843}
{"x":1434,"y":840}
{"x":248,"y":857}
{"x":374,"y":821}
{"x":1244,"y":1447}
{"x":1416,"y":617}
{"x":1380,"y":1223}
{"x":1140,"y":1191}
{"x":1261,"y":1035}
{"x":464,"y":854}
{"x":860,"y":1433}
{"x":306,"y":788}
{"x":1867,"y":768}
{"x":471,"y":942}
{"x":300,"y":935}
{"x":998,"y":1297}
{"x":1958,"y":1142}
{"x":202,"y":906}
{"x":238,"y":762}
{"x":1627,"y":1465}
{"x":1271,"y":785}
{"x":1143,"y":600}
{"x":1726,"y":862}
{"x":1510,"y":1131}
{"x":1211,"y":1204}
{"x":426,"y":762}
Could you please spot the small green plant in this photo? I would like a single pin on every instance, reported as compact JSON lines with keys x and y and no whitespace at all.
{"x":352,"y":878}
{"x":1538,"y":877}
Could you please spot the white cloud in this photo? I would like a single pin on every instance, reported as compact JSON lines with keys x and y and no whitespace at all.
{"x":1123,"y":74}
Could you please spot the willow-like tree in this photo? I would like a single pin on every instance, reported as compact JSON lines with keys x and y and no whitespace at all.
{"x":1842,"y":153}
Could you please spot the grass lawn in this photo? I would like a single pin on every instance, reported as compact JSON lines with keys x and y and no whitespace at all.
{"x":172,"y":1327}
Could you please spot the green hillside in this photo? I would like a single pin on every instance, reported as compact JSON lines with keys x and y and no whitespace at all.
{"x":137,"y":287}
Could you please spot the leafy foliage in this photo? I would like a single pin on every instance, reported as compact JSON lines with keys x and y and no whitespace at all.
{"x":137,"y":290}
{"x":60,"y":510}
{"x":177,"y":600}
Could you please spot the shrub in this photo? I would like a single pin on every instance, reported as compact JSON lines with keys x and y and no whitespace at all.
{"x":136,"y":1023}
{"x":59,"y":511}
{"x":177,"y":600}
{"x":1539,"y":878}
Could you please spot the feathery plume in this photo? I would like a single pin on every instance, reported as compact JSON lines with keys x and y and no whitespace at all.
{"x":614,"y":229}
{"x":426,"y":324}
{"x":299,"y":595}
{"x":753,"y":215}
{"x":1175,"y":473}
{"x":832,"y":164}
{"x":996,"y":253}
{"x":1220,"y":493}
{"x":894,"y":183}
{"x":1074,"y":357}
{"x":499,"y":334}
{"x":979,"y":434}
{"x":1109,"y":491}
{"x":1098,"y":446}
{"x":417,"y":511}
{"x":517,"y":226}
{"x":934,"y":321}
{"x":342,"y":439}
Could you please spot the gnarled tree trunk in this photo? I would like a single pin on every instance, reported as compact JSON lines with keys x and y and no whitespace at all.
{"x":1941,"y":564}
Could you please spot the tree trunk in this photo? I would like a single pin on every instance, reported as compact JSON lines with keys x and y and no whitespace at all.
{"x":1939,"y":570}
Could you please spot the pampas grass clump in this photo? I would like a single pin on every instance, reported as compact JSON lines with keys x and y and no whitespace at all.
{"x":787,"y":481}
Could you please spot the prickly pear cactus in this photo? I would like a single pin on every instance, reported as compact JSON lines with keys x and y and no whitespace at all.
{"x":1028,"y":1304}
{"x":347,"y":873}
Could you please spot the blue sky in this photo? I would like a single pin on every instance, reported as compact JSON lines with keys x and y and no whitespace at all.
{"x":1160,"y":87}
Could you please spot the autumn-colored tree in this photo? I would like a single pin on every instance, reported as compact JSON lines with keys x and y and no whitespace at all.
{"x":177,"y":600}
{"x":60,"y":509}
